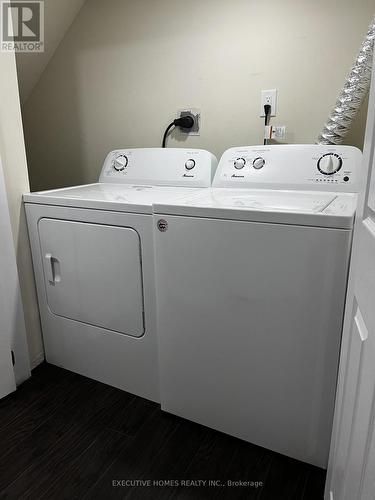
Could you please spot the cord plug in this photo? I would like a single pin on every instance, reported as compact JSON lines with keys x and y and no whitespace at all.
{"x":267,"y":117}
{"x":184,"y":122}
{"x":267,"y":113}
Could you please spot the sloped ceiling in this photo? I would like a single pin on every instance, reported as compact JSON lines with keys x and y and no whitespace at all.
{"x":58,"y":17}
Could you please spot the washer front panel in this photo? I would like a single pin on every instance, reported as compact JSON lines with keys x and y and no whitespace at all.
{"x":249,"y":320}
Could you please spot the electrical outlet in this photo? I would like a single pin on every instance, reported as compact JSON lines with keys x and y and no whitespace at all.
{"x":268,"y":97}
{"x":195,"y":113}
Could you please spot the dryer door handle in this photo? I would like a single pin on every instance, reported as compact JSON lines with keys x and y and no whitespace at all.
{"x":52,"y":269}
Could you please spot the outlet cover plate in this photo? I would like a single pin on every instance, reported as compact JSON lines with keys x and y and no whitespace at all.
{"x":196,"y":114}
{"x":268,"y":97}
{"x":278,"y":132}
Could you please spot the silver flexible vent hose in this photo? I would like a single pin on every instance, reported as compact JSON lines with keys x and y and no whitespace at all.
{"x":351,"y":96}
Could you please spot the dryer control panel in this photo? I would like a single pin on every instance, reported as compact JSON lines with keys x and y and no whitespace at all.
{"x":159,"y":167}
{"x":297,"y":166}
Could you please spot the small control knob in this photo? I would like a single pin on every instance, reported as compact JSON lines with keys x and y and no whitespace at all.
{"x":259,"y":163}
{"x":120,"y":163}
{"x":190,"y":164}
{"x":239,"y":163}
{"x":329,"y":164}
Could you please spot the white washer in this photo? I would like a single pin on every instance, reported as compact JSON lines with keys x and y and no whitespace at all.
{"x":251,"y":283}
{"x":93,"y":258}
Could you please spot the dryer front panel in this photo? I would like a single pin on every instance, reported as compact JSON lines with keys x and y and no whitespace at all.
{"x":93,"y":274}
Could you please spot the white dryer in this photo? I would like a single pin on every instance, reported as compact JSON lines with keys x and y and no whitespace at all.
{"x":251,"y":283}
{"x":93,"y":258}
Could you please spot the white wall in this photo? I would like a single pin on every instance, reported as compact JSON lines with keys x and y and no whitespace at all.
{"x":125,"y":67}
{"x":12,"y":152}
{"x":12,"y":320}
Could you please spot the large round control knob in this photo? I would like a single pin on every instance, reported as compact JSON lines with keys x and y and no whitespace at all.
{"x":239,"y":163}
{"x":329,"y":164}
{"x":120,"y":163}
{"x":190,"y":164}
{"x":259,"y":163}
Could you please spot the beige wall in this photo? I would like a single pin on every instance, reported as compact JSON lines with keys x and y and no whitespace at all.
{"x":125,"y":67}
{"x":59,"y":16}
{"x":12,"y":152}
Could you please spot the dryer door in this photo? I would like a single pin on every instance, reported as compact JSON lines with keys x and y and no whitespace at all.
{"x":93,"y":274}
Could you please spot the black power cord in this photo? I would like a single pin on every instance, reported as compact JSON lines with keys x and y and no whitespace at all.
{"x":182,"y":122}
{"x":267,"y":117}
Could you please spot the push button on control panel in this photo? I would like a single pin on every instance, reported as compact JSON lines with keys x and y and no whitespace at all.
{"x":259,"y":163}
{"x":190,"y":164}
{"x":239,"y":163}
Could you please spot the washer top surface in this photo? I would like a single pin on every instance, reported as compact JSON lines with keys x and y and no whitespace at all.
{"x":262,"y":199}
{"x":310,"y":208}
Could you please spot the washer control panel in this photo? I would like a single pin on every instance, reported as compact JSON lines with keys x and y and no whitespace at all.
{"x":297,"y":166}
{"x":159,"y":167}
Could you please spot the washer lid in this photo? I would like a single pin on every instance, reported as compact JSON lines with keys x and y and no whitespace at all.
{"x":115,"y":197}
{"x":310,"y":208}
{"x":284,"y":201}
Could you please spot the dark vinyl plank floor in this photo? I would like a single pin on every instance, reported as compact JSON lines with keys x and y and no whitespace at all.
{"x":63,"y":436}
